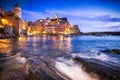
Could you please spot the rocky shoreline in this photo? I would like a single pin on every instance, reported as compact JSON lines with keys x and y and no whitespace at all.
{"x":102,"y":33}
{"x":19,"y":67}
{"x":14,"y":68}
{"x":105,"y":70}
{"x":116,"y":51}
{"x":11,"y":69}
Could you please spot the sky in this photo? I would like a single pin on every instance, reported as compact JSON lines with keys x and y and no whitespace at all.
{"x":89,"y":15}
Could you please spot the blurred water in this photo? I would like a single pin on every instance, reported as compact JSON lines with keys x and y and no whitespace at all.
{"x":55,"y":47}
{"x":77,"y":44}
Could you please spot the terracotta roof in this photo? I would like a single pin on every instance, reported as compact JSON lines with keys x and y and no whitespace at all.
{"x":11,"y":14}
{"x":62,"y":19}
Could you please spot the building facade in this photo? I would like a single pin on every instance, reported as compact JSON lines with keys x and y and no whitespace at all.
{"x":17,"y":10}
{"x":74,"y":29}
{"x":49,"y":26}
{"x":12,"y":21}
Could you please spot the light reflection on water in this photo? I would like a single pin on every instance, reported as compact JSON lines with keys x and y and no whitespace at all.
{"x":57,"y":46}
{"x":63,"y":44}
{"x":42,"y":44}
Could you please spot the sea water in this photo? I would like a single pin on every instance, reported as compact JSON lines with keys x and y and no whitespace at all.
{"x":55,"y":48}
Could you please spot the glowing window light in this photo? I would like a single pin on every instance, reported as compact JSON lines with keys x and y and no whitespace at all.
{"x":44,"y":32}
{"x":4,"y":21}
{"x":1,"y":26}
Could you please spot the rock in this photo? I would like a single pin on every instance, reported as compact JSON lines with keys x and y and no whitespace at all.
{"x":3,"y":55}
{"x":104,"y":70}
{"x":117,"y":51}
{"x":34,"y":69}
{"x":44,"y":71}
{"x":12,"y":70}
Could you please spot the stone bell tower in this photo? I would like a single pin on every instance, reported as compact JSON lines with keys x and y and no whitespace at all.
{"x":17,"y":10}
{"x":2,"y":11}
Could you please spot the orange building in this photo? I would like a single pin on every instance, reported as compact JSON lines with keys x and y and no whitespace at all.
{"x":13,"y":20}
{"x":49,"y":26}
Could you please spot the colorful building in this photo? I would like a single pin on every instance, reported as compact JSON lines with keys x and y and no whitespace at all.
{"x":49,"y":26}
{"x":74,"y":29}
{"x":12,"y":21}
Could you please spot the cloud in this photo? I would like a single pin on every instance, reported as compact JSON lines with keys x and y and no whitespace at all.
{"x":115,"y":20}
{"x":88,"y":20}
{"x":86,"y":12}
{"x":112,"y":24}
{"x":32,"y":15}
{"x":107,"y":18}
{"x":55,"y":11}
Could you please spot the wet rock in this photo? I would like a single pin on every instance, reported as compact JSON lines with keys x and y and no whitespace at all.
{"x":104,"y":70}
{"x":117,"y":51}
{"x":2,"y":55}
{"x":43,"y":70}
{"x":12,"y":70}
{"x":36,"y":68}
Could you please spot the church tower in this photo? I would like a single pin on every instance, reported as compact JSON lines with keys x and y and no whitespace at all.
{"x":17,"y":10}
{"x":2,"y":11}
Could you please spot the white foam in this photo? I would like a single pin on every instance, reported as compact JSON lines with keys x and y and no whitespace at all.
{"x":98,"y":55}
{"x":102,"y":57}
{"x":21,"y":59}
{"x":73,"y":71}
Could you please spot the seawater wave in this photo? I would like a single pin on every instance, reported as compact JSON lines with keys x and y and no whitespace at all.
{"x":52,"y":58}
{"x":73,"y":70}
{"x":99,"y":61}
{"x":95,"y":54}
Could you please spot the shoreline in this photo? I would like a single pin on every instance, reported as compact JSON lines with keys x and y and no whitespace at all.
{"x":65,"y":35}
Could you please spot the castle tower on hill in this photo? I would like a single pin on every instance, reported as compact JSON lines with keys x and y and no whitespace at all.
{"x":56,"y":16}
{"x":17,"y":10}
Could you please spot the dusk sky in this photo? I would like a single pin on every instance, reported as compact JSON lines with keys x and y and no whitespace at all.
{"x":90,"y":15}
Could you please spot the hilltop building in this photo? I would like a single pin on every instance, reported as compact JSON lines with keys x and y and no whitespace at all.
{"x":56,"y":16}
{"x":74,"y":29}
{"x":11,"y":22}
{"x":51,"y":26}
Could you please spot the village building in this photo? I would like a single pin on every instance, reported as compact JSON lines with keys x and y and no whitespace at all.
{"x":49,"y":26}
{"x":12,"y":22}
{"x":74,"y":29}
